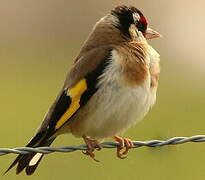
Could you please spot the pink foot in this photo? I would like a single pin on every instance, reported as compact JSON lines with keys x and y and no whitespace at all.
{"x":124,"y":143}
{"x":92,"y":145}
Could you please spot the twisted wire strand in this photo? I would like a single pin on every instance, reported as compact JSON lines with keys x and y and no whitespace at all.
{"x":151,"y":143}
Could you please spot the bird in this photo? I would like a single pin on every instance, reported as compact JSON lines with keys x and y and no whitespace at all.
{"x":111,"y":86}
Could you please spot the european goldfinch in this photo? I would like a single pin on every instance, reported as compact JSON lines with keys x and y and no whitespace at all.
{"x":111,"y":86}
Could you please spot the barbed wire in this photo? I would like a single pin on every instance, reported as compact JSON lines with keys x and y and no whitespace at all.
{"x":137,"y":144}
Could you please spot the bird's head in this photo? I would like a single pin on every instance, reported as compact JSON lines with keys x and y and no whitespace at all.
{"x":130,"y":19}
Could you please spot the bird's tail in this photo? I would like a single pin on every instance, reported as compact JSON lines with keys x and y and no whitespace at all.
{"x":29,"y":162}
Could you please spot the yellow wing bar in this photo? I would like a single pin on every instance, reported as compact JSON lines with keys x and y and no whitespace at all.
{"x":75,"y":94}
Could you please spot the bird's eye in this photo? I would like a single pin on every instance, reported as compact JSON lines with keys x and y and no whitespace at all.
{"x":141,"y":26}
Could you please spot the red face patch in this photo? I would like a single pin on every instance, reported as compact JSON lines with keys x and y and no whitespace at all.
{"x":143,"y":20}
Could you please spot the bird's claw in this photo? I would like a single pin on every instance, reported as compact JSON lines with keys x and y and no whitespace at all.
{"x":91,"y":145}
{"x":124,"y":143}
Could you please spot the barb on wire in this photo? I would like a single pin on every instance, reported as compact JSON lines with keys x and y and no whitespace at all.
{"x":151,"y":143}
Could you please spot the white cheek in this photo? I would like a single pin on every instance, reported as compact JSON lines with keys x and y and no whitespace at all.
{"x":136,"y":17}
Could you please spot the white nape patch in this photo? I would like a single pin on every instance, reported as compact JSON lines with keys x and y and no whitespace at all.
{"x":35,"y":159}
{"x":136,"y":17}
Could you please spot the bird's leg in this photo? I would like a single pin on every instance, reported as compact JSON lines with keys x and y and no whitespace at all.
{"x":124,"y":142}
{"x":92,"y":145}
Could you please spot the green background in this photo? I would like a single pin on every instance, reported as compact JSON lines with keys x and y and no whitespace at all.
{"x":40,"y":39}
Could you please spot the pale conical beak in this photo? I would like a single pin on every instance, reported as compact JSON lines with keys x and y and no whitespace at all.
{"x":150,"y":34}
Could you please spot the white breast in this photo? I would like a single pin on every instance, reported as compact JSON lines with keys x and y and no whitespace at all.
{"x":115,"y":107}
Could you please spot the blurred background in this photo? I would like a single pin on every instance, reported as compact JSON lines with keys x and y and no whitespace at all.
{"x":38,"y":42}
